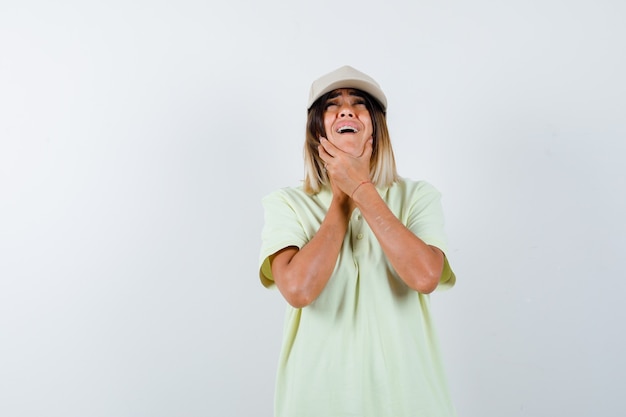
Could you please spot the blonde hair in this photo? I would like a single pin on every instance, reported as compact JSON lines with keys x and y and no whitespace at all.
{"x":382,"y":164}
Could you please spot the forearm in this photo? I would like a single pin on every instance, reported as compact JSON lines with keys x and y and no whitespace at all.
{"x":302,"y":275}
{"x":418,"y":264}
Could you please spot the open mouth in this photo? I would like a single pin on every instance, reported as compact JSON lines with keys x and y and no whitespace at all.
{"x":347,"y":129}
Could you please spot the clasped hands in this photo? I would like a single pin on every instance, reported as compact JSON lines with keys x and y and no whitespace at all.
{"x":346,"y":171}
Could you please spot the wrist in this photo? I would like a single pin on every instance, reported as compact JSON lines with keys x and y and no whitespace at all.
{"x":341,"y":202}
{"x":359,"y":186}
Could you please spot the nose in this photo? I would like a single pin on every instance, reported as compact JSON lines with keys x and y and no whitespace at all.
{"x":346,"y":111}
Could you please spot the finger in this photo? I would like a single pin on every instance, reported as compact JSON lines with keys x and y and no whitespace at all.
{"x":326,"y":157}
{"x":329,"y":147}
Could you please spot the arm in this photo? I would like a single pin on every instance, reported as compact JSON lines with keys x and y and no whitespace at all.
{"x":301,"y":275}
{"x":419,"y":265}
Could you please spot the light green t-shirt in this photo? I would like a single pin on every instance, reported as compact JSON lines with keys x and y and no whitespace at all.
{"x":366,"y":346}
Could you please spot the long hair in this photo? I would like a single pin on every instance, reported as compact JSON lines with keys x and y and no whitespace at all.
{"x":382,"y":163}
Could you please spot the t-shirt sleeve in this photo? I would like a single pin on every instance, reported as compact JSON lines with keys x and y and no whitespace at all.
{"x":281,"y":229}
{"x":426,"y":220}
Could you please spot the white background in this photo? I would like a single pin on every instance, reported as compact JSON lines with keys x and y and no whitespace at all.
{"x":138,"y":137}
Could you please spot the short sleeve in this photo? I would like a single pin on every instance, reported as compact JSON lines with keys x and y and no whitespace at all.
{"x":282,"y":228}
{"x":426,"y":220}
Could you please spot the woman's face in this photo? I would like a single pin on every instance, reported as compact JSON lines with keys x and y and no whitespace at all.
{"x":347,"y":121}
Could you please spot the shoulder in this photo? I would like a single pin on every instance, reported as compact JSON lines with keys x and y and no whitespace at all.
{"x":286,"y":193}
{"x":296,"y":197}
{"x":407,"y":188}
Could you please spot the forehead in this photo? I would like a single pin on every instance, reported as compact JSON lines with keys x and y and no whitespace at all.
{"x":347,"y":91}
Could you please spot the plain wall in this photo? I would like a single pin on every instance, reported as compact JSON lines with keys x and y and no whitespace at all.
{"x":137,"y":139}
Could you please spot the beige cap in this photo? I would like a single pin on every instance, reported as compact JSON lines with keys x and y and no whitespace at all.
{"x":346,"y":77}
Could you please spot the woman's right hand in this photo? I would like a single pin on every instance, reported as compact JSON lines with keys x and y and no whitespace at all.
{"x":345,"y":171}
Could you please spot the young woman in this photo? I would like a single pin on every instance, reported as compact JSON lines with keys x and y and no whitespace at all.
{"x":355,"y":251}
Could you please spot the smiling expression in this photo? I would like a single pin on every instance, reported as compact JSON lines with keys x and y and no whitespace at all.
{"x":347,"y":121}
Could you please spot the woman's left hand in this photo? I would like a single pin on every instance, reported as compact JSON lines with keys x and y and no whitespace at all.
{"x":418,"y":264}
{"x":346,"y":171}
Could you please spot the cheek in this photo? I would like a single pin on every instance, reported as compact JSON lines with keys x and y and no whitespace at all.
{"x":328,"y":124}
{"x":366,"y":119}
{"x":370,"y":129}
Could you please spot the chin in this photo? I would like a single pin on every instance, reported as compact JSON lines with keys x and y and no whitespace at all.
{"x":352,"y":149}
{"x":350,"y":146}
